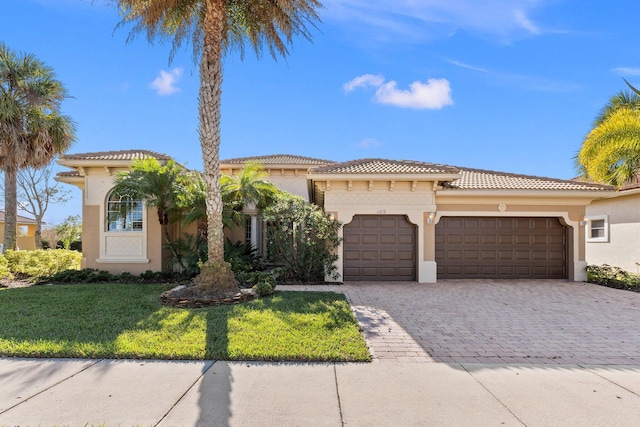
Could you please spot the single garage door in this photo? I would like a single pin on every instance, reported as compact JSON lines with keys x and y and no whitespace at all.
{"x":508,"y":248}
{"x":379,"y":247}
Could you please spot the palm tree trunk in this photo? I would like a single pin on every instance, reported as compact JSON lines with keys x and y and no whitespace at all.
{"x":10,"y":209}
{"x":215,"y":274}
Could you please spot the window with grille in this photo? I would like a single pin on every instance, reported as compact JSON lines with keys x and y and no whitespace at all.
{"x":123,"y":213}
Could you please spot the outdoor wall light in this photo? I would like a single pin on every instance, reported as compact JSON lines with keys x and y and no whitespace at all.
{"x":584,"y":221}
{"x":332,"y":217}
{"x":430,"y":218}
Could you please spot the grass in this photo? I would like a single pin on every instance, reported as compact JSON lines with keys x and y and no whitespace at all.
{"x":128,"y":321}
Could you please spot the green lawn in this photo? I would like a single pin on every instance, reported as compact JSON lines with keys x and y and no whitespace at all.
{"x":127,"y":321}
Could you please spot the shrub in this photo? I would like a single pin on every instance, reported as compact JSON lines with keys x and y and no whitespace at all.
{"x":265,"y":284}
{"x":189,"y":252}
{"x":608,"y":275}
{"x":301,"y":239}
{"x":242,"y":256}
{"x":40,"y":262}
{"x":4,"y":268}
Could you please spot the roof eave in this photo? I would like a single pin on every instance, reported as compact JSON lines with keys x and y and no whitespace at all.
{"x":594,"y":194}
{"x":382,"y":177}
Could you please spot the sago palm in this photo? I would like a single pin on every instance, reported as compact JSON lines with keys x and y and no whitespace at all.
{"x":215,"y":27}
{"x":610,"y":152}
{"x":32,"y":130}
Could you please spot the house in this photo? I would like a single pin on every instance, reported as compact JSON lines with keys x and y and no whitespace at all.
{"x":26,"y":232}
{"x":403,"y":220}
{"x":613,"y":230}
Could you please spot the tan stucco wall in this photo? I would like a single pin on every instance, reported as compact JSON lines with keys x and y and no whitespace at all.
{"x":26,"y":242}
{"x":90,"y":236}
{"x":623,"y":248}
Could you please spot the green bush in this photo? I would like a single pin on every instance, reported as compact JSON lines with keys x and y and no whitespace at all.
{"x":265,"y":284}
{"x":301,"y":239}
{"x":4,"y":268}
{"x":40,"y":262}
{"x":608,"y":275}
{"x":242,"y":256}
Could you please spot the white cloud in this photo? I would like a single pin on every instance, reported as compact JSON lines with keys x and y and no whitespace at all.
{"x":364,"y":81}
{"x":165,"y":83}
{"x":369,"y":142}
{"x":419,"y":20}
{"x":626,"y":71}
{"x":430,"y":95}
{"x":465,"y":65}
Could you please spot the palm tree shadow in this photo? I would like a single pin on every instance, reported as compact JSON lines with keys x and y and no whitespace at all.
{"x":215,"y":389}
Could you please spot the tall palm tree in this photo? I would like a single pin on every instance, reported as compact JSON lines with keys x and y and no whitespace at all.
{"x":215,"y":27}
{"x":610,"y":153}
{"x":32,"y":130}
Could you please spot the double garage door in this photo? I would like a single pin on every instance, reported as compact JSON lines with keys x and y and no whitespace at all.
{"x":383,"y":247}
{"x":508,"y":248}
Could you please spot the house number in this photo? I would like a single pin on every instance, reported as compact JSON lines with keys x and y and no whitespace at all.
{"x":382,"y":211}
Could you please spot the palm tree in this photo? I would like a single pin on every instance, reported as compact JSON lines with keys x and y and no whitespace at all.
{"x":610,"y":152}
{"x":32,"y":130}
{"x":162,"y":186}
{"x":250,"y":186}
{"x":215,"y":27}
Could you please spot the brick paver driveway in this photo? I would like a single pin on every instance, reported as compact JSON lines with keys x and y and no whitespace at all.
{"x":486,"y":321}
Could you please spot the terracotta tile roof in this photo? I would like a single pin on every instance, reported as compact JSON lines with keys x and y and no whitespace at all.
{"x":383,"y":166}
{"x":21,"y":219}
{"x":478,"y":179}
{"x":278,"y":159}
{"x":116,"y":155}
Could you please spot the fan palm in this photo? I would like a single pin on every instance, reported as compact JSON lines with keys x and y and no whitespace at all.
{"x":610,"y":153}
{"x":32,"y":130}
{"x":215,"y":27}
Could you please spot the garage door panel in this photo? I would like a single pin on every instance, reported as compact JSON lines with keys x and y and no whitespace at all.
{"x":388,"y":256}
{"x":384,"y":248}
{"x":501,"y":248}
{"x":351,"y":255}
{"x":369,"y":255}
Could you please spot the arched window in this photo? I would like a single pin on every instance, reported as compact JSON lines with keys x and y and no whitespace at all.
{"x":123,"y":213}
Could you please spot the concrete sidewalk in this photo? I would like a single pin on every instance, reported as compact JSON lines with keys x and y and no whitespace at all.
{"x":206,"y":393}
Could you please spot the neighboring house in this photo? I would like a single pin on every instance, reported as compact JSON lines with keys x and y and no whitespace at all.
{"x":26,"y":232}
{"x":403,"y":220}
{"x":613,"y":230}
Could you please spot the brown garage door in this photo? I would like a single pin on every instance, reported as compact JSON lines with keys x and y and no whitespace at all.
{"x":379,"y":247}
{"x":534,"y":248}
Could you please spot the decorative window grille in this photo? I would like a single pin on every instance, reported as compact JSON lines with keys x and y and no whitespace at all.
{"x":123,"y":213}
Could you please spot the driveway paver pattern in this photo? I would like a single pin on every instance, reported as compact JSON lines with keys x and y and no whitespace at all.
{"x":498,"y":321}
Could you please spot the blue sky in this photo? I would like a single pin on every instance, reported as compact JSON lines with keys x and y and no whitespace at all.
{"x":507,"y":85}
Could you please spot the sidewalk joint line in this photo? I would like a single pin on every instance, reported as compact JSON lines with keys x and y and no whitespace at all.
{"x":494,"y":396}
{"x":52,"y":386}
{"x":608,"y":380}
{"x":186,"y":392}
{"x":335,"y":377}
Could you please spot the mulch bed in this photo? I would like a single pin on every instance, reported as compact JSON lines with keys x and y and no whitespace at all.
{"x":619,"y":285}
{"x":192,"y":297}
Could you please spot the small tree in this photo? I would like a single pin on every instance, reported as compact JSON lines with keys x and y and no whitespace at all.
{"x":70,"y":230}
{"x":301,"y":238}
{"x":36,"y":190}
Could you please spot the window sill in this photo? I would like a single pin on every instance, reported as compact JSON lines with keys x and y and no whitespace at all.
{"x":122,"y":261}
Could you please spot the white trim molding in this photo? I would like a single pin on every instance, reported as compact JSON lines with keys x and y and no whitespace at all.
{"x":599,"y":225}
